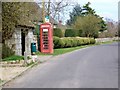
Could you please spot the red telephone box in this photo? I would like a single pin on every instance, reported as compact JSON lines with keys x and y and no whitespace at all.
{"x":46,"y":38}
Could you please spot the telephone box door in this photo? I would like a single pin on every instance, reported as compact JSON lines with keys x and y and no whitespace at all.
{"x":45,"y":40}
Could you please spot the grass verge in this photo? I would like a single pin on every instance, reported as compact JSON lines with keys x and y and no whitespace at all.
{"x":14,"y":57}
{"x":66,"y":50}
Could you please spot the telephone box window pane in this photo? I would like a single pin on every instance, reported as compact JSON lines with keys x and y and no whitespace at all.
{"x":45,"y":30}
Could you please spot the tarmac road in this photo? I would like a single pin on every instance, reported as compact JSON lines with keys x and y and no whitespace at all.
{"x":92,"y":67}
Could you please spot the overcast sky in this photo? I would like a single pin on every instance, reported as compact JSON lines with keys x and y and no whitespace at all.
{"x":104,"y":8}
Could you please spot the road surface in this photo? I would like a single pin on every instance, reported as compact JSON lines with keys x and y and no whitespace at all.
{"x":92,"y":67}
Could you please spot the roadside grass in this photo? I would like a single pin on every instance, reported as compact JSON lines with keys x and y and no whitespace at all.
{"x":14,"y":57}
{"x":66,"y":50}
{"x":56,"y":51}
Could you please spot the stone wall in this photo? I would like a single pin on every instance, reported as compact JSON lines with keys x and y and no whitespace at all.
{"x":30,"y":38}
{"x":18,"y":48}
{"x":106,"y":39}
{"x":28,"y":41}
{"x":15,"y":42}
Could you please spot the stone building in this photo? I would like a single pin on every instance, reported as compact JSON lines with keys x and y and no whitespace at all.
{"x":21,"y":40}
{"x":23,"y":36}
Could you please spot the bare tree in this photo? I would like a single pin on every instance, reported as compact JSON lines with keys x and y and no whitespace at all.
{"x":54,"y":9}
{"x":112,"y":27}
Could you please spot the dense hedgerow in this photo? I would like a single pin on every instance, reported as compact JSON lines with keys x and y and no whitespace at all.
{"x":57,"y":32}
{"x":71,"y":33}
{"x":71,"y":42}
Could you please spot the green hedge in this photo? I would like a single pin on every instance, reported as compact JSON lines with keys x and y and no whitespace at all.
{"x":71,"y":33}
{"x":71,"y":42}
{"x":57,"y":32}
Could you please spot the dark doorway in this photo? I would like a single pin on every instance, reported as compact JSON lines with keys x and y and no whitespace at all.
{"x":23,"y":41}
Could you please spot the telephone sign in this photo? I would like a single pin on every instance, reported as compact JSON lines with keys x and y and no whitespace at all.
{"x":46,"y":38}
{"x":46,"y":18}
